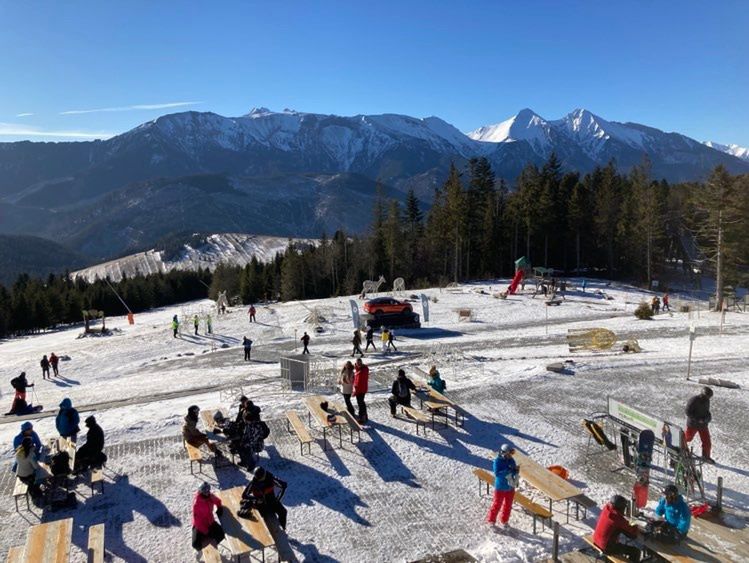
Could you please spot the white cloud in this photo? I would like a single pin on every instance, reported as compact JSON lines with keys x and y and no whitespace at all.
{"x":131,"y":108}
{"x":24,"y":115}
{"x":25,"y":131}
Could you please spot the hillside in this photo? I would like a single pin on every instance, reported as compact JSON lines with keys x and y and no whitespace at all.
{"x":34,"y":256}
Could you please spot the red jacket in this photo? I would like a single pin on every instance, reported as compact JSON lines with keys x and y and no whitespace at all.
{"x":202,"y":512}
{"x":609,"y":525}
{"x":361,"y":379}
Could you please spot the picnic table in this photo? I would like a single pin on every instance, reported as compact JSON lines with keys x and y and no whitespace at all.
{"x":49,"y":542}
{"x":60,"y":444}
{"x":315,"y":410}
{"x":243,"y":535}
{"x":435,"y":400}
{"x":353,"y":424}
{"x":207,"y":417}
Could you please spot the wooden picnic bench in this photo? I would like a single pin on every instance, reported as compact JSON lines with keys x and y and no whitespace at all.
{"x":243,"y":535}
{"x":208,"y":421}
{"x":351,"y":422}
{"x":296,"y":427}
{"x":606,"y":557}
{"x":417,"y":416}
{"x":194,"y":455}
{"x":15,"y":554}
{"x":21,"y":489}
{"x":535,"y":510}
{"x":314,"y":409}
{"x":211,"y":554}
{"x":96,"y":476}
{"x":96,"y":543}
{"x":49,"y":542}
{"x":436,"y":400}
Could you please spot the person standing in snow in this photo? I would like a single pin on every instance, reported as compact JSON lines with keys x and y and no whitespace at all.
{"x":53,"y":361}
{"x":67,"y":420}
{"x":208,"y":324}
{"x":666,"y":306}
{"x":370,"y":339}
{"x":391,"y":340}
{"x":505,"y":480}
{"x":204,"y":526}
{"x":698,"y":418}
{"x":45,"y":367}
{"x":610,"y":524}
{"x":401,"y":392}
{"x":305,"y":341}
{"x":346,"y":385}
{"x":175,"y":325}
{"x":251,"y":312}
{"x":361,"y":386}
{"x":196,"y":323}
{"x":247,"y":345}
{"x":356,"y":342}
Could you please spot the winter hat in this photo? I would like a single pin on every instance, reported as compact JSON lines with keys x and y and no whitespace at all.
{"x":192,"y":408}
{"x":205,"y":488}
{"x":401,"y":373}
{"x":23,"y":374}
{"x":707,"y":392}
{"x":670,"y":490}
{"x":90,"y":420}
{"x":619,"y":502}
{"x":26,"y":426}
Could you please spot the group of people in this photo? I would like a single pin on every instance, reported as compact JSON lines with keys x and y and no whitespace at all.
{"x":51,"y":362}
{"x":387,"y":338}
{"x":195,"y":324}
{"x":354,"y":380}
{"x":656,"y":304}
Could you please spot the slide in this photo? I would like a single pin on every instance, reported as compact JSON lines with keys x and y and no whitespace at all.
{"x":515,"y":282}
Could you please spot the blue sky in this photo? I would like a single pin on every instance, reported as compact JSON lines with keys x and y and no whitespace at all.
{"x":679,"y":66}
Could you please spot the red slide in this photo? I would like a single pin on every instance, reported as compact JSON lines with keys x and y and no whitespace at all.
{"x":515,"y":282}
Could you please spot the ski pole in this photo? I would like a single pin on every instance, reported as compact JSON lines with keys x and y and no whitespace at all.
{"x":36,"y":399}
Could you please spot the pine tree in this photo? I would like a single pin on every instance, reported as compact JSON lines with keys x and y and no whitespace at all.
{"x":455,"y":216}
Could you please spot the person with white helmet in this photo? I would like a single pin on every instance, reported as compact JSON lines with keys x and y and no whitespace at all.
{"x":505,"y":481}
{"x":204,"y":525}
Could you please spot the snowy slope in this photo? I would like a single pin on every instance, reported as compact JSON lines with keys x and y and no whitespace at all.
{"x":734,"y":150}
{"x":231,"y":248}
{"x":400,"y":496}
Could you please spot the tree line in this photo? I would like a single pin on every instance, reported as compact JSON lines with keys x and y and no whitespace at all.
{"x":605,"y":223}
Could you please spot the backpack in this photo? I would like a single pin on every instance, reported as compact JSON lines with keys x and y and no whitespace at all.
{"x":266,"y":430}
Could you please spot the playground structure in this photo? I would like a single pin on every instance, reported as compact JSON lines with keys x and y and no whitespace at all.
{"x":522,"y":267}
{"x":399,"y":286}
{"x":221,"y":303}
{"x":369,"y":286}
{"x":304,"y":372}
{"x":187,"y":317}
{"x":91,"y":316}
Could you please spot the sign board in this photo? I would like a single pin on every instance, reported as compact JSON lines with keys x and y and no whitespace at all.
{"x":425,"y":307}
{"x":355,"y":313}
{"x":654,"y":284}
{"x":634,"y":418}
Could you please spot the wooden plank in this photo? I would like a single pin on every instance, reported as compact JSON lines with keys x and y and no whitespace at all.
{"x":49,"y":542}
{"x":193,"y":453}
{"x":299,"y":428}
{"x":484,"y":475}
{"x":243,"y":535}
{"x":211,"y":554}
{"x":531,"y":506}
{"x":613,"y":558}
{"x":96,"y":543}
{"x":416,"y":414}
{"x":207,"y":417}
{"x":349,"y":419}
{"x":15,"y":554}
{"x":313,"y":406}
{"x":20,"y":488}
{"x":550,"y":484}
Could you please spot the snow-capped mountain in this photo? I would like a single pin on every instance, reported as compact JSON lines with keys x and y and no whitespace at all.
{"x":733,"y":150}
{"x":231,"y":248}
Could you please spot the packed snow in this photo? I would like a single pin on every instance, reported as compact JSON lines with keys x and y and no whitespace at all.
{"x":394,"y":496}
{"x":732,"y":149}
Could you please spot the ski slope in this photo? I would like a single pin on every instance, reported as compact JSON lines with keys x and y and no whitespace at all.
{"x":394,"y":496}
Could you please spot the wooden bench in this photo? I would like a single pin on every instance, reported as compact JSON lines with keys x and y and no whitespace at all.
{"x":194,"y":455}
{"x":211,"y":554}
{"x":15,"y":554}
{"x":295,"y":426}
{"x":585,"y":502}
{"x":96,"y":543}
{"x":613,"y":558}
{"x":49,"y":541}
{"x":417,"y":416}
{"x":96,"y":476}
{"x":535,"y":510}
{"x":21,"y":489}
{"x":353,"y":425}
{"x":437,"y":409}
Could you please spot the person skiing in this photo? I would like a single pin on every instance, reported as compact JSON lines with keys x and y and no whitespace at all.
{"x":370,"y":339}
{"x":27,"y":431}
{"x":674,"y":516}
{"x":175,"y":325}
{"x":391,"y":340}
{"x":305,"y":341}
{"x":698,"y":419}
{"x":196,"y":323}
{"x":505,"y":481}
{"x":346,"y":385}
{"x":401,"y":392}
{"x":435,"y":381}
{"x":19,"y":404}
{"x":666,"y":305}
{"x":90,"y":454}
{"x":45,"y":367}
{"x":190,"y":432}
{"x":361,"y":386}
{"x":204,"y":525}
{"x":252,"y":312}
{"x":356,"y":342}
{"x":610,"y":524}
{"x":247,"y":344}
{"x":67,"y":420}
{"x":261,"y":492}
{"x":53,"y":361}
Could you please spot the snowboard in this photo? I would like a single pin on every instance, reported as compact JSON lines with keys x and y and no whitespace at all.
{"x":643,"y":461}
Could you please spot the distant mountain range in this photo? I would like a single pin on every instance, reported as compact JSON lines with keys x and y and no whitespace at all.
{"x":293,"y":174}
{"x":734,"y":150}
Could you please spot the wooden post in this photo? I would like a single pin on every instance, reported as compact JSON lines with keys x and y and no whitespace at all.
{"x":719,"y":495}
{"x":555,"y":544}
{"x":547,"y":319}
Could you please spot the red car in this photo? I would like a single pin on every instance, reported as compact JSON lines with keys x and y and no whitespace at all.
{"x":384,"y":305}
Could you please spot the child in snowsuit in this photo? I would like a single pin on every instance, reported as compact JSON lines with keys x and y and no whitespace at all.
{"x":175,"y":325}
{"x":196,"y":322}
{"x":370,"y":339}
{"x":435,"y":381}
{"x":391,"y":338}
{"x":67,"y":420}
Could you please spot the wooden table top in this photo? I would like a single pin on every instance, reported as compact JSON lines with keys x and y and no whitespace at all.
{"x":313,"y":406}
{"x":243,"y":534}
{"x":49,"y":542}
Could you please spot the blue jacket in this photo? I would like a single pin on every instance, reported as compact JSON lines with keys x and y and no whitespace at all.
{"x":34,"y":438}
{"x":437,"y":383}
{"x":503,"y":468}
{"x":677,"y":514}
{"x":67,"y":419}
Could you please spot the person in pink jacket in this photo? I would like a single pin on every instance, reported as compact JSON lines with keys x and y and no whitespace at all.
{"x":204,"y":525}
{"x":361,"y":386}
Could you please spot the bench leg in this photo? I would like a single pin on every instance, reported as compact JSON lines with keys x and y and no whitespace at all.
{"x":16,"y":499}
{"x":340,"y":437}
{"x":534,"y":524}
{"x":324,"y":439}
{"x":28,"y":506}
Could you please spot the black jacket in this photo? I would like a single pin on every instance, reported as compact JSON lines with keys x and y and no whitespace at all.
{"x":402,"y":388}
{"x":94,"y":440}
{"x":261,"y":488}
{"x":698,"y":412}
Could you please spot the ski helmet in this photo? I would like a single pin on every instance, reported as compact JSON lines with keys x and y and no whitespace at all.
{"x":259,"y":473}
{"x":619,"y":502}
{"x":205,"y":488}
{"x":506,"y":449}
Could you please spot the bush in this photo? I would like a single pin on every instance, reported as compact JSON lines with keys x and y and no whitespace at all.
{"x":644,"y":312}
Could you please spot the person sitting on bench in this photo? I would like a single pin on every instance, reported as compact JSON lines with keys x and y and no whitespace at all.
{"x":261,"y":494}
{"x":435,"y":381}
{"x":610,"y":524}
{"x":401,"y":392}
{"x":28,"y":467}
{"x":204,"y":526}
{"x":675,"y":514}
{"x":91,"y":454}
{"x":190,"y":432}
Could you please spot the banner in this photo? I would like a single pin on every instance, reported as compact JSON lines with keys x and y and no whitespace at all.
{"x":425,"y":307}
{"x":355,"y":313}
{"x":663,"y":430}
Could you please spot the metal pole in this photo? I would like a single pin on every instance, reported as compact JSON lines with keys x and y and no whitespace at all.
{"x":295,"y":340}
{"x":555,"y":543}
{"x":719,"y":495}
{"x":547,"y":319}
{"x":692,"y":335}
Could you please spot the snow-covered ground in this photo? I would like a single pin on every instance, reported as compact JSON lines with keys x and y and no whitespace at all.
{"x":394,"y":496}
